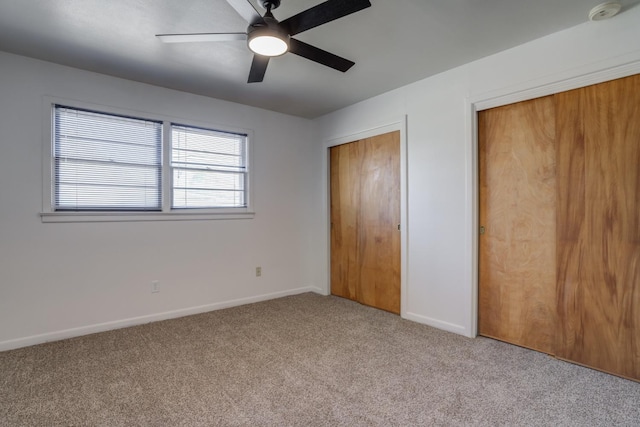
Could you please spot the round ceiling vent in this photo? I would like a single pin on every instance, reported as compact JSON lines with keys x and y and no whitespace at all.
{"x":605,"y":11}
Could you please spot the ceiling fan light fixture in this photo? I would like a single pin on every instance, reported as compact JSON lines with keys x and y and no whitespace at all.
{"x":268,"y":45}
{"x":268,"y":41}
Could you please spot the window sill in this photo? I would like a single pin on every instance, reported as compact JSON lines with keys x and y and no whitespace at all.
{"x":142,"y":216}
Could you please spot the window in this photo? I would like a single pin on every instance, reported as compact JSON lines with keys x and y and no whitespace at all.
{"x":106,"y":166}
{"x":106,"y":162}
{"x":209,"y":168}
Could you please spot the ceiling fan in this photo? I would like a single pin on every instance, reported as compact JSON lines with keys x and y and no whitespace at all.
{"x":267,"y":37}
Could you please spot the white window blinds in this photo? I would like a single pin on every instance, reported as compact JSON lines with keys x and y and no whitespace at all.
{"x":209,"y":168}
{"x":106,"y":162}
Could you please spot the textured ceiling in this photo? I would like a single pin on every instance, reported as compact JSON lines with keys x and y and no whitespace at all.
{"x":393,"y":43}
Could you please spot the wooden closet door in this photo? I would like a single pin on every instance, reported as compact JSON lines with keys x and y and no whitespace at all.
{"x":365,"y":214}
{"x":345,"y":162}
{"x":379,"y":208}
{"x":598,"y":160}
{"x":517,"y":258}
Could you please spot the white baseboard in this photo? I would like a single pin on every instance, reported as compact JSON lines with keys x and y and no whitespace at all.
{"x":133,"y":321}
{"x":317,"y":290}
{"x":445,"y":326}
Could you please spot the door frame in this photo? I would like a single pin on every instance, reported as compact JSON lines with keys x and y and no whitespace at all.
{"x":399,"y":124}
{"x":588,"y":75}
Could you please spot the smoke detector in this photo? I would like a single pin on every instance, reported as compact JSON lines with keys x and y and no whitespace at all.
{"x":605,"y":11}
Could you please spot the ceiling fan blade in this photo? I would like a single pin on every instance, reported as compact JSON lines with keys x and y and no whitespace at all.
{"x":246,"y":10}
{"x":201,"y":37}
{"x":258,"y":68}
{"x":321,"y":14}
{"x":320,"y":56}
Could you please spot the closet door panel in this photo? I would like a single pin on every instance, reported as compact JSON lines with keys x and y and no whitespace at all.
{"x":598,"y":156}
{"x":379,"y":240}
{"x":517,"y":257}
{"x":345,"y":197}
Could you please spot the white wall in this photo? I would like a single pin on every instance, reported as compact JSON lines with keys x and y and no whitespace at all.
{"x":441,"y":154}
{"x":59,"y":280}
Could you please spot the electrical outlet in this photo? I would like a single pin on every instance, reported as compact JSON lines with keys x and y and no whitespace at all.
{"x":258,"y":271}
{"x":155,"y":286}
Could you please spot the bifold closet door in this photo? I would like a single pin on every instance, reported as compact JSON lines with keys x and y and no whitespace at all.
{"x":365,"y":219}
{"x":517,"y":258}
{"x":598,"y":163}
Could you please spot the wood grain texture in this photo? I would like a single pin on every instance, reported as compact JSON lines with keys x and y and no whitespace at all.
{"x":598,"y":156}
{"x":365,"y":213}
{"x":517,"y":257}
{"x":379,"y":238}
{"x":345,"y":166}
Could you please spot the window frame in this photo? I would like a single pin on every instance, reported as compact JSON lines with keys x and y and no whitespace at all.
{"x":167,"y":213}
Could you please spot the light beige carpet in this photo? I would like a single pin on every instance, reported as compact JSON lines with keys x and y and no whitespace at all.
{"x":305,"y":360}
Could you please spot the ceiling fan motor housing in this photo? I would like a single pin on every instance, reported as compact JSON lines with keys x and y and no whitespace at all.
{"x":269,"y":4}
